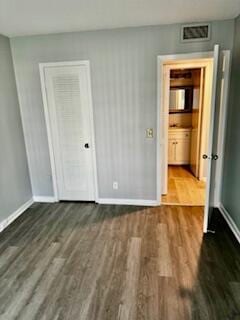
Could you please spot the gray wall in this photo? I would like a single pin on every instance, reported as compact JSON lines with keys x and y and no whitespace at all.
{"x":231,"y":182}
{"x":124,"y":86}
{"x":15,"y":188}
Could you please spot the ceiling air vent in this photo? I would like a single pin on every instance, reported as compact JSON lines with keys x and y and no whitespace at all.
{"x":195,"y":32}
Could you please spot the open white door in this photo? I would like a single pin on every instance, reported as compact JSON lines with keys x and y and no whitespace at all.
{"x":210,"y":156}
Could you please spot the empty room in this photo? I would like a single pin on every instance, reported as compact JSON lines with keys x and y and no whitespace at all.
{"x":119,"y":160}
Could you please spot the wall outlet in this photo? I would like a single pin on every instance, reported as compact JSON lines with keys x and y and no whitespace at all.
{"x":115,"y":185}
{"x":149,"y":132}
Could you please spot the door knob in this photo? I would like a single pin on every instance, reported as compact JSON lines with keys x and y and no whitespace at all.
{"x":213,"y":157}
{"x":86,"y":146}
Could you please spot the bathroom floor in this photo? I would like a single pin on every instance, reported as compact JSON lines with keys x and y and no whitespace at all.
{"x":184,"y":188}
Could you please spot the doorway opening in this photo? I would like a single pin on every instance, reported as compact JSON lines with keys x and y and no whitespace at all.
{"x":208,"y":121}
{"x":188,"y":101}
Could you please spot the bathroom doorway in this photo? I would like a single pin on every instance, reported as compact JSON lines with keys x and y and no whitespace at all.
{"x":189,"y":102}
{"x":200,"y":122}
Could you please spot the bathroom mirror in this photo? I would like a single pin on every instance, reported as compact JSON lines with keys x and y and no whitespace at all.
{"x":180,"y":99}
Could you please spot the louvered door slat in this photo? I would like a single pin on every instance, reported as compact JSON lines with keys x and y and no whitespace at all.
{"x":68,"y":103}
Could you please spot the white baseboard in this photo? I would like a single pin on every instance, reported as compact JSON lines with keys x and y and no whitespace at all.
{"x":15,"y":215}
{"x":230,"y":222}
{"x":44,"y":199}
{"x":131,"y":202}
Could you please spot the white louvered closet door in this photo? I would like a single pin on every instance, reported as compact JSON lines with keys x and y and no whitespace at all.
{"x":69,"y":99}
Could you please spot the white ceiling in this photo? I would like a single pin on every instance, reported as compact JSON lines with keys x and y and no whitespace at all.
{"x":26,"y":17}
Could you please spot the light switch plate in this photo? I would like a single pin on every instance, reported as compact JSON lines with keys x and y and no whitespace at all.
{"x":149,"y":133}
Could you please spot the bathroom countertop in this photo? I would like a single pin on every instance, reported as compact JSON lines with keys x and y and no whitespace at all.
{"x":179,"y":128}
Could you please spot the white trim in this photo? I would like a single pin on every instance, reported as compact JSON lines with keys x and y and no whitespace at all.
{"x":42,"y":66}
{"x":93,"y":144}
{"x":232,"y":225}
{"x":44,"y":199}
{"x":6,"y":222}
{"x":158,"y":141}
{"x":165,"y":124}
{"x":63,"y":63}
{"x":171,"y":58}
{"x":131,"y":202}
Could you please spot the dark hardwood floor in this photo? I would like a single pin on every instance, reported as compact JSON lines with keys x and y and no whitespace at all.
{"x":86,"y":261}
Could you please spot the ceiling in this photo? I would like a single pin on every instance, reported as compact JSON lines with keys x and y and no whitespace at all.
{"x":28,"y":17}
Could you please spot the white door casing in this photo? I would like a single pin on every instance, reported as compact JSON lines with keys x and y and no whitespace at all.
{"x":197,"y":125}
{"x":165,"y":64}
{"x":68,"y":110}
{"x":165,"y":85}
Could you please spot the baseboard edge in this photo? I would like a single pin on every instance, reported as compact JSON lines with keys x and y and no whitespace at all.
{"x":44,"y":199}
{"x":132,"y":202}
{"x":6,"y":222}
{"x":232,"y":225}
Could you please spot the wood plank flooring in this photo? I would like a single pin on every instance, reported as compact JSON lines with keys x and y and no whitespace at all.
{"x":101,"y":262}
{"x":184,"y":188}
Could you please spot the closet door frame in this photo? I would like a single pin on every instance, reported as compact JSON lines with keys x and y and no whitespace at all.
{"x":42,"y":67}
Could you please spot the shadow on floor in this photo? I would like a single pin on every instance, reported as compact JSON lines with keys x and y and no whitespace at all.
{"x":216,"y":290}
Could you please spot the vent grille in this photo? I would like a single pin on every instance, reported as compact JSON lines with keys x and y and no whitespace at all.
{"x":195,"y":32}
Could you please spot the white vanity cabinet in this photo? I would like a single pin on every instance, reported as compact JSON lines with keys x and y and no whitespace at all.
{"x":179,"y":142}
